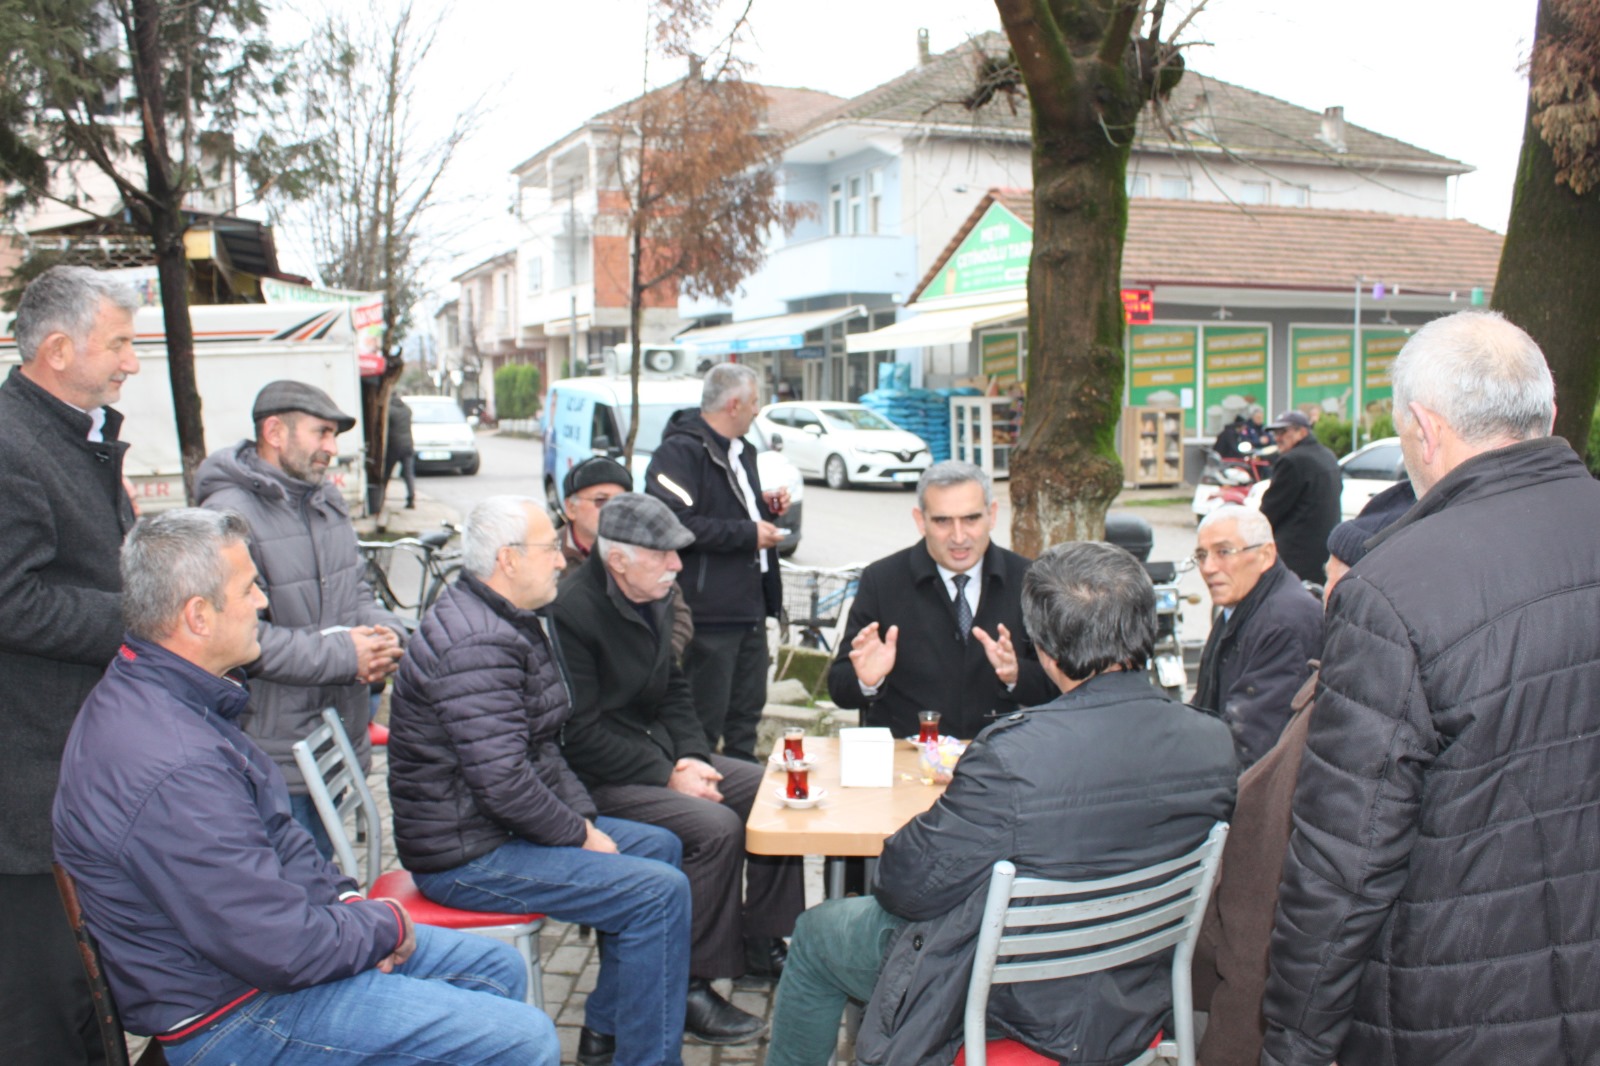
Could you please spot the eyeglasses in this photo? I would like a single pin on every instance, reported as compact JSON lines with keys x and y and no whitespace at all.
{"x":1223,"y":554}
{"x":549,"y":546}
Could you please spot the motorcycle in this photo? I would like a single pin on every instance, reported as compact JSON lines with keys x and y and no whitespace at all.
{"x":1166,"y":658}
{"x":1240,"y":480}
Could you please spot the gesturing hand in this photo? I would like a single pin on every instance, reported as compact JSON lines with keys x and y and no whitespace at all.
{"x":873,"y":656}
{"x":1002,"y":656}
{"x":377,"y":652}
{"x":695,"y":778}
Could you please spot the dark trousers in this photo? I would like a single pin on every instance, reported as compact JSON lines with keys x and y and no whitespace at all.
{"x":727,"y":670}
{"x":408,"y":470}
{"x":47,"y":1015}
{"x":715,"y":862}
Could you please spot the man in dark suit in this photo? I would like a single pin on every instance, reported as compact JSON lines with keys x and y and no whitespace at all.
{"x":1302,"y":502}
{"x":938,"y":626}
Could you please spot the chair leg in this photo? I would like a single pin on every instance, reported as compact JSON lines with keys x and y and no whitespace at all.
{"x":528,"y":947}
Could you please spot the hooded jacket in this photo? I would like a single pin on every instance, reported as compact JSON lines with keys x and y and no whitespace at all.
{"x":1441,"y":898}
{"x":722,"y":579}
{"x":196,"y":881}
{"x":63,"y":513}
{"x":1105,"y":779}
{"x":302,"y":541}
{"x":474,"y":726}
{"x":1255,"y":661}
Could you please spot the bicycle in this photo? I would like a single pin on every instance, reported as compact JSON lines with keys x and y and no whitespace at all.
{"x":815,"y":602}
{"x":436,"y":566}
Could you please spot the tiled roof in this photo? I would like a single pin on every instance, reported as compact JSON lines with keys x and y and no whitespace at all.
{"x":788,"y":111}
{"x":1184,"y":242}
{"x":1208,"y":112}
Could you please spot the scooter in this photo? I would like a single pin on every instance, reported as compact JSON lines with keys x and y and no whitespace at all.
{"x":1240,"y":480}
{"x":1166,"y":658}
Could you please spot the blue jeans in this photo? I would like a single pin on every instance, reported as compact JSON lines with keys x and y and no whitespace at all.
{"x":456,"y":1000}
{"x":304,"y":809}
{"x":835,"y":955}
{"x":638,"y":901}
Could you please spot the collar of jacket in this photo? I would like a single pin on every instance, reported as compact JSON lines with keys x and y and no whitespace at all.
{"x":1275,"y":575}
{"x":1516,"y":466}
{"x":716,"y":445}
{"x":923,"y":568}
{"x":523,"y":619}
{"x":73,"y":419}
{"x":1117,"y":686}
{"x":600,"y":579}
{"x":269,"y":481}
{"x":227,"y":696}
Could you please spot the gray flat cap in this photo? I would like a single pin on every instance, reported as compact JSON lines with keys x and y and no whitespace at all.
{"x":282,"y":396}
{"x":644,"y":521}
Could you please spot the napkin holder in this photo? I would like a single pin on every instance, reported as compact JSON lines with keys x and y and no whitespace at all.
{"x":866,"y":758}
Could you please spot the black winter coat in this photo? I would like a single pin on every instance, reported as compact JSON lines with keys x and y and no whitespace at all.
{"x":63,"y":514}
{"x":1255,"y":662}
{"x":1441,"y":898}
{"x":1302,"y":503}
{"x":477,"y":707}
{"x":934,"y":669}
{"x":1105,"y":779}
{"x":721,"y":579}
{"x":632,"y":715}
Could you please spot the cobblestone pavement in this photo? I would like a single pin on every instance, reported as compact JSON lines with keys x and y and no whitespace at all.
{"x":571,"y":962}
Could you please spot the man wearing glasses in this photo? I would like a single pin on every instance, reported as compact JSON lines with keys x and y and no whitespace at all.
{"x":1262,"y":643}
{"x":586,"y":488}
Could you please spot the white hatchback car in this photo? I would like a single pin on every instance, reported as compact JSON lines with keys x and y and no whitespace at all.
{"x":846,"y":444}
{"x":1368,"y":471}
{"x":442,"y":436}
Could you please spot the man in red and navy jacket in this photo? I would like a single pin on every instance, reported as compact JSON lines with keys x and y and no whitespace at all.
{"x":222,"y":931}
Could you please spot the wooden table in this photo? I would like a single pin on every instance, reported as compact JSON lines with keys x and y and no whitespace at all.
{"x":849,"y":821}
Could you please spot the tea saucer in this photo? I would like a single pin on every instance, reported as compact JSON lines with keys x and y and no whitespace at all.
{"x":817,"y":796}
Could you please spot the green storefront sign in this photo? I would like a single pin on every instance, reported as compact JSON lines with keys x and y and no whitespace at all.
{"x":1161,"y":367}
{"x":1320,"y":369}
{"x":1235,"y":372}
{"x":1378,"y":349}
{"x":993,"y":257}
{"x":1001,"y":353}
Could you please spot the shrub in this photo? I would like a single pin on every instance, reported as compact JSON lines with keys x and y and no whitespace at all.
{"x":1382,"y":426}
{"x":516,"y":391}
{"x":1335,"y":433}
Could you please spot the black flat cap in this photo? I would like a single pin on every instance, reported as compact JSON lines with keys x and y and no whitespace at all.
{"x":644,"y":521}
{"x":282,"y":396}
{"x":596,"y":470}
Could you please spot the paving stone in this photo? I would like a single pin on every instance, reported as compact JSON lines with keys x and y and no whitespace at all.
{"x":557,"y":987}
{"x":567,"y":959}
{"x":697,"y":1055}
{"x":589,"y":976}
{"x":572,"y":1010}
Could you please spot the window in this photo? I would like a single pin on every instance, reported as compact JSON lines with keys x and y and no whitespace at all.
{"x":836,"y":208}
{"x":534,"y":266}
{"x":1255,"y":193}
{"x":858,"y":205}
{"x":875,"y":200}
{"x":1174,"y":188}
{"x":1294,"y":196}
{"x":1382,"y":462}
{"x":1138,"y":185}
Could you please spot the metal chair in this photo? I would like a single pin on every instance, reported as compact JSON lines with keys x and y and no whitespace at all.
{"x":328,"y":762}
{"x":1103,"y":924}
{"x":112,"y":1037}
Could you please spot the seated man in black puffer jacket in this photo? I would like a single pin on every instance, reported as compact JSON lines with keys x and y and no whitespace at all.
{"x":488,"y":816}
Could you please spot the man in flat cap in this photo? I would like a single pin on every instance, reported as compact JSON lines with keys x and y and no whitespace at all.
{"x":636,"y":741}
{"x":585,"y":490}
{"x":324,"y":638}
{"x":1302,"y":502}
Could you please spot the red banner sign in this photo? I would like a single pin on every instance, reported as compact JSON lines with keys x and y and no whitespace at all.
{"x":1138,"y":306}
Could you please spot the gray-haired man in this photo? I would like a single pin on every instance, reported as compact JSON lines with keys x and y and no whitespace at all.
{"x":706,"y":472}
{"x":64,"y":512}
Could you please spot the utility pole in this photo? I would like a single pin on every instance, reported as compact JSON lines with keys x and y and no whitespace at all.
{"x":572,"y":307}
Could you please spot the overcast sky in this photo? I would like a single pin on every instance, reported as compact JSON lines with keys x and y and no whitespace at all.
{"x":1441,"y":74}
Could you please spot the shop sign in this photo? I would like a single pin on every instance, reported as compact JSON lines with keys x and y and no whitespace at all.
{"x":1161,"y":367}
{"x":1320,"y":365}
{"x":994,"y":257}
{"x":1001,"y":354}
{"x":1235,"y":372}
{"x":1138,"y":306}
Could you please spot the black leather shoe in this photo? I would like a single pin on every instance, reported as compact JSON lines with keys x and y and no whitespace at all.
{"x":710,"y":1019}
{"x":764,"y":958}
{"x":595,"y":1049}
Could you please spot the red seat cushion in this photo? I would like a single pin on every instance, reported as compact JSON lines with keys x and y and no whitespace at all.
{"x":398,"y":886}
{"x":1011,"y":1053}
{"x":378,"y":734}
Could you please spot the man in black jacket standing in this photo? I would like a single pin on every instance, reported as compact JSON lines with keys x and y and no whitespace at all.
{"x":938,"y":626}
{"x":64,"y":512}
{"x":1441,"y":897}
{"x":1260,"y":649}
{"x":706,"y":472}
{"x":1302,"y":502}
{"x":636,"y":742}
{"x":1108,"y":777}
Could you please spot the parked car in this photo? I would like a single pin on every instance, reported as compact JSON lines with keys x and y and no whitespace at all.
{"x":589,"y":416}
{"x":1368,"y":471}
{"x":442,"y":436}
{"x":846,"y":444}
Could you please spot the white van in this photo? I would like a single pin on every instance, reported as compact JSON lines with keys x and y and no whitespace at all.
{"x":584,"y":417}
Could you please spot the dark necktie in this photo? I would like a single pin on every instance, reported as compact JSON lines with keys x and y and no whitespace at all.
{"x":963,"y":608}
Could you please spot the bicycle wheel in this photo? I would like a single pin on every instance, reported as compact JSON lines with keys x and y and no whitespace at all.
{"x":447,"y":576}
{"x":378,"y":581}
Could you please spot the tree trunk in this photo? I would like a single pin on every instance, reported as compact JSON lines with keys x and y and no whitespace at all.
{"x":1549,"y":278}
{"x":635,"y":325}
{"x":172,"y":268}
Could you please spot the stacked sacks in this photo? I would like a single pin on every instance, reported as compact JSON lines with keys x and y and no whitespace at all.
{"x":925,"y":412}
